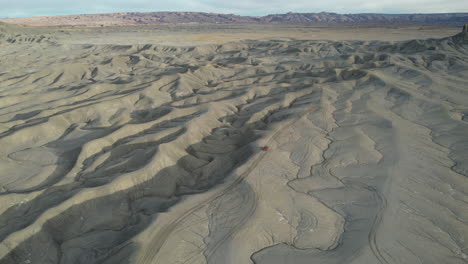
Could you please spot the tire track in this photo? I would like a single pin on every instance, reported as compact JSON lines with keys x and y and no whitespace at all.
{"x":252,"y":197}
{"x":372,"y":238}
{"x":160,"y":238}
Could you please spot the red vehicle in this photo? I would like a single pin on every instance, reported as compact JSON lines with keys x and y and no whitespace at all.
{"x":265,"y":148}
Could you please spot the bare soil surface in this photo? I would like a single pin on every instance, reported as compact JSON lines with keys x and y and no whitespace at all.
{"x":146,"y":145}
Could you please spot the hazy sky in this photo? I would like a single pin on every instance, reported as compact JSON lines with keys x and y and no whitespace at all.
{"x":19,"y":8}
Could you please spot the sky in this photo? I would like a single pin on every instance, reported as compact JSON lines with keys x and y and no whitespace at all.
{"x":26,"y":8}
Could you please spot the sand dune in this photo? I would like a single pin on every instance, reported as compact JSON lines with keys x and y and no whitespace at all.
{"x":147,"y":153}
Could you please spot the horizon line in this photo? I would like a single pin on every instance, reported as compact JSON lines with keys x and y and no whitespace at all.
{"x":328,"y":12}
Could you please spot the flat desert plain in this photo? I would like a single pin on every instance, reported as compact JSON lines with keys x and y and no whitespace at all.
{"x":146,"y":144}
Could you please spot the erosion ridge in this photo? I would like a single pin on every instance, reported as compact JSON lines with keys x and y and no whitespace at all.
{"x":153,"y":154}
{"x":13,"y":33}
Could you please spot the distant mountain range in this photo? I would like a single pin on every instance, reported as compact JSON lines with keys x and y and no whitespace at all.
{"x":325,"y":17}
{"x":149,"y":18}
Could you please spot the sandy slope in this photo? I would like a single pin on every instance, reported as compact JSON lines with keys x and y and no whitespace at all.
{"x":152,"y":154}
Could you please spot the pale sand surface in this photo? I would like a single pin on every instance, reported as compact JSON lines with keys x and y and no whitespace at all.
{"x":128,"y":145}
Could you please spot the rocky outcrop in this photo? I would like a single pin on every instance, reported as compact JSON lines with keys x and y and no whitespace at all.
{"x":462,"y":37}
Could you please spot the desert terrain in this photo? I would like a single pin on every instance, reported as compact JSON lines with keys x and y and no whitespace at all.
{"x":146,"y":144}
